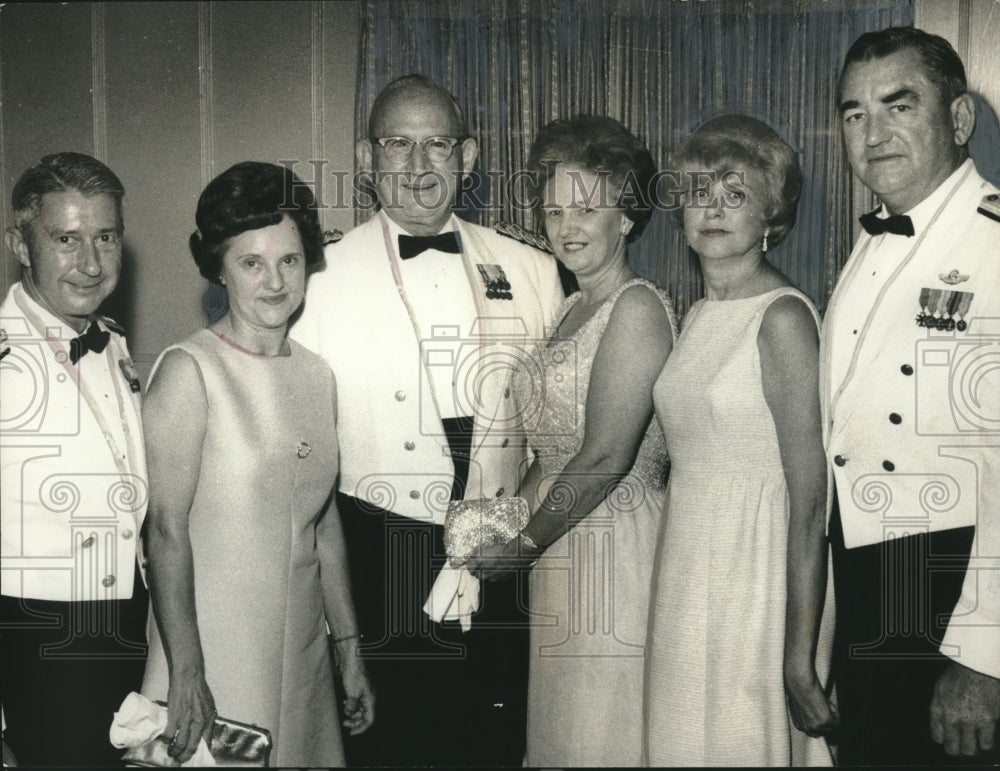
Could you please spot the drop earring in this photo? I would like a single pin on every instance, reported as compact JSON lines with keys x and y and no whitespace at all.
{"x":764,"y":244}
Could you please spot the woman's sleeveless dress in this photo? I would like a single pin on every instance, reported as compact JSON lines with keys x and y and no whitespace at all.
{"x":590,"y":589}
{"x":714,"y":691}
{"x":269,"y":461}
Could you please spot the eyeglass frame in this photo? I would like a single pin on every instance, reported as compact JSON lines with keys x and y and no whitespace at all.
{"x":380,"y":141}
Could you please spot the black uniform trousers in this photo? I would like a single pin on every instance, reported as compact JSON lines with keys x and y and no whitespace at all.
{"x":894,"y":600}
{"x":444,"y":697}
{"x":66,"y":668}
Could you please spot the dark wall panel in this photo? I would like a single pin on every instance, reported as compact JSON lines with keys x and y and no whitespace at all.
{"x":153,"y":136}
{"x":45,"y":60}
{"x":261,"y":58}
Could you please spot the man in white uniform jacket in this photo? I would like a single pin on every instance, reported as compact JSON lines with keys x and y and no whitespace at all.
{"x":422,"y":317}
{"x":911,"y":396}
{"x":72,"y":472}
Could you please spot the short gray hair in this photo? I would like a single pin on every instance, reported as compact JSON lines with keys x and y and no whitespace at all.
{"x":60,"y":173}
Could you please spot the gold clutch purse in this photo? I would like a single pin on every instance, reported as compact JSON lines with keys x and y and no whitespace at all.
{"x":233,"y":744}
{"x":471,"y":525}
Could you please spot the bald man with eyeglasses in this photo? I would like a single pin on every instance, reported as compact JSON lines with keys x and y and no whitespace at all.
{"x":423,"y":317}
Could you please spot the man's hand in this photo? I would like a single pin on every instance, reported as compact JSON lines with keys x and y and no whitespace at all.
{"x":965,"y":710}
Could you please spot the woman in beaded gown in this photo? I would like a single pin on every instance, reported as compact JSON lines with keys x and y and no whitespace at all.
{"x":737,"y":655}
{"x":247,"y":567}
{"x":596,"y":485}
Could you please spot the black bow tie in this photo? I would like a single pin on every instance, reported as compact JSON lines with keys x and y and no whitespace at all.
{"x":94,"y":339}
{"x":899,"y":224}
{"x":411,"y":246}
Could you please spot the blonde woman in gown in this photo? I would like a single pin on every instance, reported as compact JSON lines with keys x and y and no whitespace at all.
{"x":246,"y":559}
{"x":737,"y":656}
{"x":596,"y":486}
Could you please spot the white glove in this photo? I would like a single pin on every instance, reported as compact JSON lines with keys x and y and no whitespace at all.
{"x":454,"y":597}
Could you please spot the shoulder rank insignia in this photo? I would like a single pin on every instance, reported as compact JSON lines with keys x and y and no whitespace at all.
{"x":332,"y":236}
{"x":525,"y":236}
{"x":990,"y":206}
{"x":113,"y":325}
{"x":131,"y":376}
{"x":953,"y":277}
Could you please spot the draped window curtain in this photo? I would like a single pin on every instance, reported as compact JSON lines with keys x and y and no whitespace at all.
{"x":661,"y":67}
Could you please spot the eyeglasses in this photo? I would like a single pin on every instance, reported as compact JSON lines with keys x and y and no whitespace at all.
{"x":399,"y":149}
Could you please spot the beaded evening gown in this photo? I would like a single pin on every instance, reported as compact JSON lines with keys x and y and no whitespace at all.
{"x":714,"y":689}
{"x":269,"y":461}
{"x":590,"y":589}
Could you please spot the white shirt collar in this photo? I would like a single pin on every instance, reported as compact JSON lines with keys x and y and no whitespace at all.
{"x":52,"y":326}
{"x":923,"y":212}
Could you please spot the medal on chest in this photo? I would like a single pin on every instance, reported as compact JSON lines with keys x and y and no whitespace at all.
{"x":943,"y":309}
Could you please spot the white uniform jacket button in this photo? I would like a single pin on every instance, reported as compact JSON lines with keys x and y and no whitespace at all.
{"x":400,"y":396}
{"x":414,"y":494}
{"x":127,"y":534}
{"x":500,"y":492}
{"x":409,"y":446}
{"x":108,"y":581}
{"x":87,"y":543}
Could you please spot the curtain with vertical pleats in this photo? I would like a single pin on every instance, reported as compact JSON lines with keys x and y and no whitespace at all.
{"x":661,"y":67}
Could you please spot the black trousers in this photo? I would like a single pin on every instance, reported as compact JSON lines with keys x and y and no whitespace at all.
{"x":444,"y":697}
{"x":66,"y":667}
{"x":894,"y":600}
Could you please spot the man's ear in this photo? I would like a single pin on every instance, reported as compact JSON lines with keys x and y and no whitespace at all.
{"x":470,"y":151}
{"x":963,"y":118}
{"x":17,"y":245}
{"x":363,"y":155}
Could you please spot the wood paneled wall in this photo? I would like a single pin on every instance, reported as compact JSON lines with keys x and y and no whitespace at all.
{"x":168,"y":95}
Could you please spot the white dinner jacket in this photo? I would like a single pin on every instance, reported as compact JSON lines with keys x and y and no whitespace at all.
{"x":394,"y":452}
{"x":912,"y":429}
{"x":71,"y":514}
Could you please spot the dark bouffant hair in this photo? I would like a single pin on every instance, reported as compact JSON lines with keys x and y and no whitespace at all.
{"x":249,"y":196}
{"x":599,"y":145}
{"x":740,"y":143}
{"x":942,"y":65}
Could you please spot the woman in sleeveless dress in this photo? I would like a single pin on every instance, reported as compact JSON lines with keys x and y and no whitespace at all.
{"x":247,"y":568}
{"x":597,"y":482}
{"x":737,"y":655}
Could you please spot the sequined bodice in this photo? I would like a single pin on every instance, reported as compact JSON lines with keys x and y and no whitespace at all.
{"x":552,"y":393}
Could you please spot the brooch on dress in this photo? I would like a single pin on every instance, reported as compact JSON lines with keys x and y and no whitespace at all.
{"x":495,"y":281}
{"x":130,"y":375}
{"x":303,"y":450}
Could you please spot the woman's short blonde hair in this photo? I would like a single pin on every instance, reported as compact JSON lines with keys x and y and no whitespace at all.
{"x":739,"y":143}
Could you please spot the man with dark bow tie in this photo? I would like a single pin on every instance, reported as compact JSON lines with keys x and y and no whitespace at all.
{"x":911,"y":396}
{"x":72,"y":473}
{"x":422,"y":316}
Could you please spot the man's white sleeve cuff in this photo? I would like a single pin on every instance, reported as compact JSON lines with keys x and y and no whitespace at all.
{"x":973,"y":640}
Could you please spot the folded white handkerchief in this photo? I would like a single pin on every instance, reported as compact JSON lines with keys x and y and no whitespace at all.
{"x":139,"y":720}
{"x":454,"y":597}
